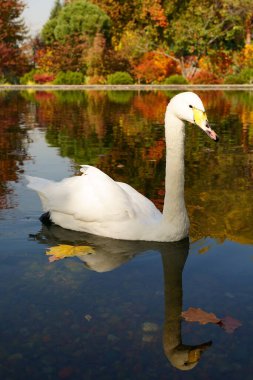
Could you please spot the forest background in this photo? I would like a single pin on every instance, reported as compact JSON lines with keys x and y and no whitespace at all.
{"x":129,"y":41}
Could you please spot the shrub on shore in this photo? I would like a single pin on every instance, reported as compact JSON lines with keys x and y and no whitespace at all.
{"x":175,"y":79}
{"x":42,"y":78}
{"x":120,"y":77}
{"x":69,"y":77}
{"x":243,"y":77}
{"x":28,"y":77}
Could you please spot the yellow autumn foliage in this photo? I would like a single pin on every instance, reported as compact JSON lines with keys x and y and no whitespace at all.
{"x":248,"y":55}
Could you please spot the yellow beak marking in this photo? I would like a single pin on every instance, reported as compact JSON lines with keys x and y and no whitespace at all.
{"x":199,"y":117}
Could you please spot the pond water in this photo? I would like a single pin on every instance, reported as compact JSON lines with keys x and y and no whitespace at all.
{"x":113,"y":312}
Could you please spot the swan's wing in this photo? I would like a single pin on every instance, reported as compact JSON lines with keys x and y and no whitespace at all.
{"x":91,"y":197}
{"x":141,"y":205}
{"x":102,"y":198}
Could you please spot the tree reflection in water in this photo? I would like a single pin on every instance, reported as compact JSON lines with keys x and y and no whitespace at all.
{"x":13,"y":143}
{"x":122,"y":133}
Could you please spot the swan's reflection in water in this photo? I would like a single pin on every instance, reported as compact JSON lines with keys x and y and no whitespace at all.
{"x":111,"y":254}
{"x":181,"y":356}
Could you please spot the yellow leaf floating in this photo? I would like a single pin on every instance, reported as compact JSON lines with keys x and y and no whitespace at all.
{"x":64,"y":250}
{"x":204,"y":250}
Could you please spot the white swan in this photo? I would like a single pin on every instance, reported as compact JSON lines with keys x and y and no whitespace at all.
{"x":95,"y":203}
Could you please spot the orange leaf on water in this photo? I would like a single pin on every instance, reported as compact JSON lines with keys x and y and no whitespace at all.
{"x":199,"y":315}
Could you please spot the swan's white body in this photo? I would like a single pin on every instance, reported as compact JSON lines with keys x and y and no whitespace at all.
{"x":95,"y":203}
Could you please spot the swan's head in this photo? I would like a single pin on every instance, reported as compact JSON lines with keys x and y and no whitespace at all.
{"x":186,"y":357}
{"x":188,"y":106}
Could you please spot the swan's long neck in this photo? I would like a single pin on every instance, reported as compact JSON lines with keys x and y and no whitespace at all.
{"x":174,"y":210}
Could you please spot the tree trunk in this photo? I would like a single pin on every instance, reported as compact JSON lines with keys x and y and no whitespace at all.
{"x":249,"y":25}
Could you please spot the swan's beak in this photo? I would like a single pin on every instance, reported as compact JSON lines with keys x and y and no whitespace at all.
{"x":200,"y":120}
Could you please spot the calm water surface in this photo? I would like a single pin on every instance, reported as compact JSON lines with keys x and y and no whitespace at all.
{"x":113,"y":312}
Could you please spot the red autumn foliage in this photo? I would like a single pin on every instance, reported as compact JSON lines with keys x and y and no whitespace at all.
{"x":219,"y":62}
{"x":44,"y":96}
{"x":230,"y":324}
{"x":42,"y":78}
{"x":62,"y":57}
{"x":12,"y":32}
{"x":205,"y":77}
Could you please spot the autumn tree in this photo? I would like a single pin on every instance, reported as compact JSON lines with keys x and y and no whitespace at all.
{"x":62,"y":57}
{"x":12,"y":34}
{"x":98,"y":37}
{"x":121,"y":14}
{"x":73,"y":35}
{"x":182,"y":31}
{"x":147,"y":16}
{"x":94,"y":56}
{"x":198,"y":28}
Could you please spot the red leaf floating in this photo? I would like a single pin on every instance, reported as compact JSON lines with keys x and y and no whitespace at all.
{"x":230,"y":324}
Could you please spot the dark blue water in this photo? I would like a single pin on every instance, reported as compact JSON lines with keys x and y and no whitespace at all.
{"x":115,"y":313}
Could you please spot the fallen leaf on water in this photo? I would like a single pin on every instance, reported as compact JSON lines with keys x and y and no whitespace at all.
{"x":199,"y":315}
{"x":63,"y":250}
{"x":204,"y":250}
{"x":229,"y":324}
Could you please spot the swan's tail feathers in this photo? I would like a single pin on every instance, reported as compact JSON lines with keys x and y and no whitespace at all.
{"x":41,"y":186}
{"x":37,"y":184}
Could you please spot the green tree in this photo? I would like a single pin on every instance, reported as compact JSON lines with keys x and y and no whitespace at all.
{"x":47,"y":34}
{"x":48,"y":29}
{"x":79,"y":17}
{"x":55,"y":10}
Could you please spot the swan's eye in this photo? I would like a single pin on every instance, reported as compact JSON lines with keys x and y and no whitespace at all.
{"x":191,"y":106}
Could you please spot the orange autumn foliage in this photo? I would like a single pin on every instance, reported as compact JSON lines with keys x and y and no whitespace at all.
{"x":152,"y":9}
{"x":44,"y":59}
{"x":155,"y":152}
{"x":155,"y":67}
